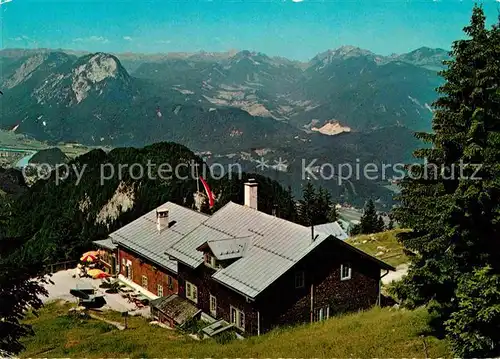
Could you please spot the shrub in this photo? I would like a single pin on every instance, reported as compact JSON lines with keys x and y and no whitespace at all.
{"x":193,"y":326}
{"x":474,"y":328}
{"x":225,"y":337}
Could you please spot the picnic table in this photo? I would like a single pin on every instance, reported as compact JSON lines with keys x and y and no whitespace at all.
{"x":143,"y":299}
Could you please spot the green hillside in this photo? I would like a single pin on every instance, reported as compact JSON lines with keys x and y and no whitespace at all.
{"x":375,"y":333}
{"x":384,"y":246}
{"x":59,"y":219}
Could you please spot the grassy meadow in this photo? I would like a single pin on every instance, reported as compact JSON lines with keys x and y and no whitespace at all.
{"x":374,"y":333}
{"x":382,"y":245}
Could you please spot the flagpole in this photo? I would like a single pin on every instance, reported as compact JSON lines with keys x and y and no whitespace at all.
{"x":197,"y":181}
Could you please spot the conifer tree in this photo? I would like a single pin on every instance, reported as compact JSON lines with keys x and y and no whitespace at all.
{"x":390,"y":225}
{"x":324,"y":200}
{"x":369,"y":220}
{"x":19,"y":291}
{"x":380,"y":224}
{"x":451,"y":201}
{"x":333,"y":214}
{"x":307,"y":205}
{"x":289,"y":208}
{"x":315,"y":207}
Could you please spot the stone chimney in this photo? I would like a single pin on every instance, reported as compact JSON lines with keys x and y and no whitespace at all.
{"x":161,"y":219}
{"x":251,"y":194}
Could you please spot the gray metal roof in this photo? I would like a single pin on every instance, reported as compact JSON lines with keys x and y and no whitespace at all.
{"x":143,"y":237}
{"x":275,"y":246}
{"x":229,"y":248}
{"x":332,"y":228}
{"x":177,"y":308}
{"x":106,"y":243}
{"x":267,"y":246}
{"x":217,"y":327}
{"x":185,"y":250}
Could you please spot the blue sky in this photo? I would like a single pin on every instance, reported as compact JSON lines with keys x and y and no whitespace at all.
{"x":296,"y":30}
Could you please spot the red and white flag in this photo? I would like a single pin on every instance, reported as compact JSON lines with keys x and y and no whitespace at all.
{"x":209,"y":192}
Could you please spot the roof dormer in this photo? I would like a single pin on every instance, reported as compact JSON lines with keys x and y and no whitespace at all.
{"x":216,"y":253}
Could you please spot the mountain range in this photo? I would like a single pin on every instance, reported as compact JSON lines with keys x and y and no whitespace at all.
{"x":136,"y":99}
{"x":343,"y":106}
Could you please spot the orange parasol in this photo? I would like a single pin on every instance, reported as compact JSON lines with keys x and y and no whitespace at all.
{"x":91,"y":253}
{"x":88,"y":258}
{"x":102,"y":275}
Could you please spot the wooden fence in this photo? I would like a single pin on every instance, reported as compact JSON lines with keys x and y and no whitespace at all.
{"x":56,"y":267}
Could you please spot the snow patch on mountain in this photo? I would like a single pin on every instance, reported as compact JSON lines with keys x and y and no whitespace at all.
{"x":415,"y":101}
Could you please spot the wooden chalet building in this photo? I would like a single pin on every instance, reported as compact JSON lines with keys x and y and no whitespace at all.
{"x":141,"y":245}
{"x":258,"y":271}
{"x":246,"y":267}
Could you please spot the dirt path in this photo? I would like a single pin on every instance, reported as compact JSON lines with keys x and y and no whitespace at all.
{"x":400,"y":272}
{"x":116,"y":324}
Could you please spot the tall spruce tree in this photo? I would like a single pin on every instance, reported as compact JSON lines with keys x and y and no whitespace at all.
{"x":324,"y":200}
{"x":369,"y":222}
{"x":315,"y":207}
{"x":333,"y":214}
{"x":451,"y":201}
{"x":290,"y":208}
{"x":390,"y":225}
{"x":380,"y":224}
{"x":21,"y":286}
{"x":307,"y":205}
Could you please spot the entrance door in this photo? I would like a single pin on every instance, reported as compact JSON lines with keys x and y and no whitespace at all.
{"x":113,"y":265}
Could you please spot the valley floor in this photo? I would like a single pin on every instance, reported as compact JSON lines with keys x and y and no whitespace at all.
{"x":374,"y":333}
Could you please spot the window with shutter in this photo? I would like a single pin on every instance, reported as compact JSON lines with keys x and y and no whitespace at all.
{"x":237,"y":318}
{"x":213,"y":306}
{"x":345,"y":271}
{"x":191,"y":292}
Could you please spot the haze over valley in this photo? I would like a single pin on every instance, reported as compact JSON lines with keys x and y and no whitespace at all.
{"x":342,"y":105}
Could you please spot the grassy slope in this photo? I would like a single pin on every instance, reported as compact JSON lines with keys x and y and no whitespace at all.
{"x":383,"y":245}
{"x":375,"y":333}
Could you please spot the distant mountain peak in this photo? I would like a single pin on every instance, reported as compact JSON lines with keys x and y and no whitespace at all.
{"x":251,"y":57}
{"x":350,"y":51}
{"x":92,"y":70}
{"x":59,"y":79}
{"x":248,"y":53}
{"x":426,"y":57}
{"x":99,"y":66}
{"x":342,"y":53}
{"x":33,"y":62}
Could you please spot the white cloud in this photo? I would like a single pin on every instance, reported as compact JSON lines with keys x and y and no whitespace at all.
{"x":297,"y":0}
{"x":99,"y":39}
{"x":127,"y":38}
{"x":21,"y":38}
{"x":163,"y":41}
{"x":25,"y":39}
